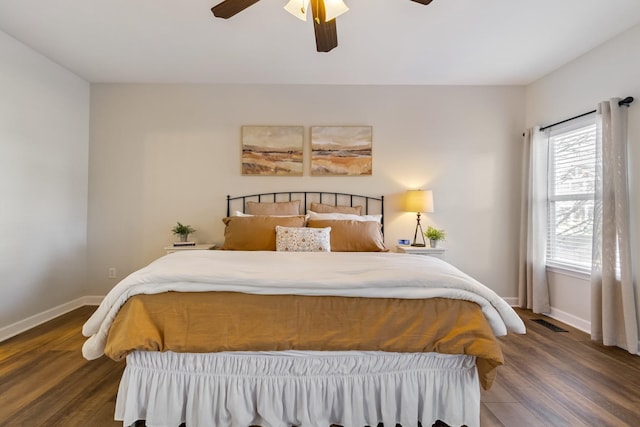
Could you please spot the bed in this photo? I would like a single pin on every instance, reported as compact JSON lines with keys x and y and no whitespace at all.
{"x":304,"y":319}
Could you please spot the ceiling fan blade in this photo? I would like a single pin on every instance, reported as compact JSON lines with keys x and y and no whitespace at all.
{"x":326,"y":32}
{"x":424,"y":2}
{"x":228,"y":8}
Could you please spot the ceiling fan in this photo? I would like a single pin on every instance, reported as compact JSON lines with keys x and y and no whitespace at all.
{"x":324,"y":23}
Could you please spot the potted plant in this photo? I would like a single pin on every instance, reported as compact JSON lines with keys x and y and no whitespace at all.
{"x":434,"y":235}
{"x":183,"y":231}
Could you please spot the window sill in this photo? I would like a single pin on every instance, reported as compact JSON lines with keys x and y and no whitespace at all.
{"x":578,"y":274}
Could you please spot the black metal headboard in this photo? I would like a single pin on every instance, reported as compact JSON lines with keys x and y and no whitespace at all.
{"x":371,"y":205}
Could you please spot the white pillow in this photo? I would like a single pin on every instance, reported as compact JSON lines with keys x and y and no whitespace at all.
{"x":353,"y":217}
{"x":303,"y":239}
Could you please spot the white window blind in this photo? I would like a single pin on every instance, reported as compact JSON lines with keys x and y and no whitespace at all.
{"x":572,"y":156}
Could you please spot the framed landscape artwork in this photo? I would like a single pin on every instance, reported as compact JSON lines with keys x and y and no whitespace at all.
{"x":272,"y":150}
{"x":341,"y":150}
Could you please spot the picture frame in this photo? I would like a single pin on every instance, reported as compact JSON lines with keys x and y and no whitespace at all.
{"x":272,"y":150}
{"x":341,"y":150}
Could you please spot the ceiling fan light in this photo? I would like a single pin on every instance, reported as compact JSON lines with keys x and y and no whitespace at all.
{"x":298,"y":8}
{"x":334,"y":8}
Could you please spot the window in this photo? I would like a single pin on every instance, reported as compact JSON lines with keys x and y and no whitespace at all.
{"x":571,"y":180}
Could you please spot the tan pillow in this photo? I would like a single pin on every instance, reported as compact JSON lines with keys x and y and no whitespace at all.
{"x":322,"y":208}
{"x":277,"y":208}
{"x":255,"y":233}
{"x":352,"y":236}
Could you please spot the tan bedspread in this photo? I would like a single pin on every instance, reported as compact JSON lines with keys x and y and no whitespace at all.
{"x":204,"y":322}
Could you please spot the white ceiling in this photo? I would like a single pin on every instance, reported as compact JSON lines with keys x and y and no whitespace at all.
{"x":459,"y":42}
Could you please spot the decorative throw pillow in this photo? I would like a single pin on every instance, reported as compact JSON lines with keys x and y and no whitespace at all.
{"x":302,"y":239}
{"x":276,"y":208}
{"x":322,"y":208}
{"x":255,"y":233}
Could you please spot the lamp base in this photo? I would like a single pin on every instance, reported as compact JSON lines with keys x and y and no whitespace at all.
{"x":415,"y":235}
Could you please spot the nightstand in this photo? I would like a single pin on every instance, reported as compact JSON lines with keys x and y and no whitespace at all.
{"x":203,"y":246}
{"x":421,"y":250}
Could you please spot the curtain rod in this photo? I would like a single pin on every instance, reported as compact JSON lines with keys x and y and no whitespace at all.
{"x":628,"y":100}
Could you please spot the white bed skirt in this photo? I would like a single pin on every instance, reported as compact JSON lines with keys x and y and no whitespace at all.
{"x":273,"y":389}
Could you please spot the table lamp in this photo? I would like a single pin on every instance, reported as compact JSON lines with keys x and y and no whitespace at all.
{"x":418,"y":201}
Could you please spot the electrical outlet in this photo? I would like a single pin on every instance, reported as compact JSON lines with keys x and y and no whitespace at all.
{"x":112,"y":273}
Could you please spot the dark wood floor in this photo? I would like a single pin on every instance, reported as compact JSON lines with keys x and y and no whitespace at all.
{"x":549,"y":379}
{"x":562,"y":379}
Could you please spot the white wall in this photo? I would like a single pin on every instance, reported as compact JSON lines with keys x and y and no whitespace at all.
{"x":166,"y":153}
{"x":44,"y":140}
{"x":608,"y":71}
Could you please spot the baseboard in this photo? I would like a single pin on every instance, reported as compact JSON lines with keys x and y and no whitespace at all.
{"x":92,"y":300}
{"x":40,"y":318}
{"x":570,"y":319}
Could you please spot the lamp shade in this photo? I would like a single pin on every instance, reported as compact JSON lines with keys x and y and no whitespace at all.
{"x":298,"y":8}
{"x":333,"y":9}
{"x":419,"y":201}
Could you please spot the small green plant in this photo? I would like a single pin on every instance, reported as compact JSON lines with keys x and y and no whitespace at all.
{"x":183,"y":230}
{"x":434,"y":234}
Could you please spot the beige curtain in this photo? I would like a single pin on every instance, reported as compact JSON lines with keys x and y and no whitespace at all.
{"x":533,"y":290}
{"x":614,"y":318}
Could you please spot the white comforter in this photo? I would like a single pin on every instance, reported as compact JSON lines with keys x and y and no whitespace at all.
{"x":350,"y":274}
